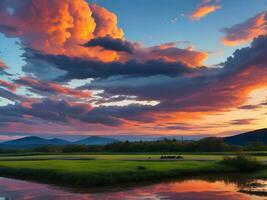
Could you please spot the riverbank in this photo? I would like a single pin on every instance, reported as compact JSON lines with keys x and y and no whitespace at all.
{"x":83,"y":173}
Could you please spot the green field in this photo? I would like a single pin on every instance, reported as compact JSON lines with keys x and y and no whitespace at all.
{"x":79,"y":170}
{"x":261,"y":156}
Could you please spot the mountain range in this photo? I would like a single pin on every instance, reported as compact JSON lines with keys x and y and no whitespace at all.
{"x":247,"y":138}
{"x":34,"y":141}
{"x":242,"y":139}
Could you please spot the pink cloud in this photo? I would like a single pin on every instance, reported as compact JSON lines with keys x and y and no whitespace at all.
{"x":11,"y":86}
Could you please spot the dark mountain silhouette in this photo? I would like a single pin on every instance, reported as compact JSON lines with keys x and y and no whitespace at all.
{"x":242,"y":139}
{"x":58,"y":141}
{"x":247,"y":138}
{"x":94,"y":140}
{"x":34,"y":141}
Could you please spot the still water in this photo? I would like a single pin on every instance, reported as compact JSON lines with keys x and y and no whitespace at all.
{"x":200,"y":189}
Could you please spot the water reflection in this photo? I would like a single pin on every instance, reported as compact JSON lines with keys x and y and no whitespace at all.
{"x":200,"y":189}
{"x":257,"y":187}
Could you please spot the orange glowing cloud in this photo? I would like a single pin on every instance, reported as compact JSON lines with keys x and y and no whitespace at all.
{"x":246,"y":31}
{"x":106,"y":23}
{"x":60,"y":27}
{"x":168,"y":52}
{"x":222,"y":96}
{"x":188,"y":56}
{"x":203,"y":10}
{"x":52,"y":87}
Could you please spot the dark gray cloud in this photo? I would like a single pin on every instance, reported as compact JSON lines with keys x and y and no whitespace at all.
{"x":5,"y":28}
{"x":109,"y":43}
{"x":62,"y":111}
{"x":3,"y":68}
{"x":50,"y":88}
{"x":250,"y":107}
{"x":210,"y":90}
{"x":78,"y":68}
{"x":177,"y":88}
{"x":264,"y":103}
{"x":253,"y":106}
{"x":11,"y":96}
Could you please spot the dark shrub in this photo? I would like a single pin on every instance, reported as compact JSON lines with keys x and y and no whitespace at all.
{"x":242,"y":162}
{"x":141,"y":167}
{"x":179,"y":157}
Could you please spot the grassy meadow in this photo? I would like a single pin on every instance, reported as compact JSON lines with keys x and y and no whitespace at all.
{"x":200,"y":156}
{"x":106,"y":169}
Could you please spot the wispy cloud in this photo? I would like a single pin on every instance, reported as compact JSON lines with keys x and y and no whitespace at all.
{"x":204,"y":9}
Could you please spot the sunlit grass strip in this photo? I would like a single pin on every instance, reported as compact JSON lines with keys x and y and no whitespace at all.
{"x":108,"y":172}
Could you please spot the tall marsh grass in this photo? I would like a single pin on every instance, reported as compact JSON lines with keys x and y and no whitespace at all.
{"x":242,"y":162}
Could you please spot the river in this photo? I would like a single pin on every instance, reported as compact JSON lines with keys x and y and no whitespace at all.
{"x":198,"y":188}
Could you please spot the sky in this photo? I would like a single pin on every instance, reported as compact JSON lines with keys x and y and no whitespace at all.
{"x":189,"y":68}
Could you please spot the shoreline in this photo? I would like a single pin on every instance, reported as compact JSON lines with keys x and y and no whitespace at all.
{"x":82,"y":178}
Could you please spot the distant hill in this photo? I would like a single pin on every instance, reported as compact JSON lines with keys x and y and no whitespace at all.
{"x":94,"y":140}
{"x":244,"y":139}
{"x":34,"y":141}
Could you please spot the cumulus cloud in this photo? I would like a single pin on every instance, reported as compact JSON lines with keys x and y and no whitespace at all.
{"x":106,"y":23}
{"x":62,"y":27}
{"x":59,"y":27}
{"x":245,"y":32}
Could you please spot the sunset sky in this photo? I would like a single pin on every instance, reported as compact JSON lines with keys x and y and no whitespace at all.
{"x":132,"y":67}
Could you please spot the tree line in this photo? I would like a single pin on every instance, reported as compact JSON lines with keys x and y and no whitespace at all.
{"x":210,"y":144}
